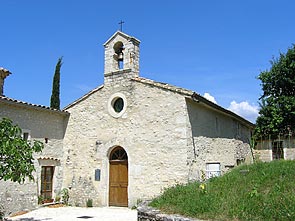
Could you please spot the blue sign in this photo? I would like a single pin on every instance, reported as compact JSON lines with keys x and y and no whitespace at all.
{"x":97,"y":175}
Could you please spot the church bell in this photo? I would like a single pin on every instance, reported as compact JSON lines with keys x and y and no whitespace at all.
{"x":120,"y":56}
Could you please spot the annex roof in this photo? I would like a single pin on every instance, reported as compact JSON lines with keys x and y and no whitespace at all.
{"x":194,"y":96}
{"x":11,"y":101}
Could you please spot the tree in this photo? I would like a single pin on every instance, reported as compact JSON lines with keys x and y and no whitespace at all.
{"x":55,"y":101}
{"x":277,"y":113}
{"x":16,"y":154}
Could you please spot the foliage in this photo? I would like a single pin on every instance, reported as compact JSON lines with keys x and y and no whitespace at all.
{"x":40,"y":199}
{"x":55,"y":100}
{"x":57,"y":198}
{"x":265,"y":192}
{"x":89,"y":203}
{"x":16,"y":154}
{"x":65,"y":196}
{"x":277,"y":113}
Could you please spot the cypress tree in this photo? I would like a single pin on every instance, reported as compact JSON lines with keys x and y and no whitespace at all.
{"x":55,"y":101}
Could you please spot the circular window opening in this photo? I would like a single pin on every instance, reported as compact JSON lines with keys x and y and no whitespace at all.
{"x":118,"y":105}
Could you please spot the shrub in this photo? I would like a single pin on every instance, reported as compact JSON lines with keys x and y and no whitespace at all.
{"x":65,"y":196}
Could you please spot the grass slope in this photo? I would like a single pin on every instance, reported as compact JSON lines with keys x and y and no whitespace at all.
{"x":265,"y":192}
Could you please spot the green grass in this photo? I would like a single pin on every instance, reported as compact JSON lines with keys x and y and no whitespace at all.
{"x":266,"y":192}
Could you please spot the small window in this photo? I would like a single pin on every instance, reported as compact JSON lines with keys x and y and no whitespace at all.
{"x":212,"y":170}
{"x":26,"y":135}
{"x":118,"y":154}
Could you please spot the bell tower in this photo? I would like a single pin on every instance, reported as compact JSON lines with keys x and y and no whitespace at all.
{"x":121,"y":57}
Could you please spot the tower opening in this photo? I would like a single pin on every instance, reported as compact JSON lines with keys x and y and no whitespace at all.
{"x":119,"y":55}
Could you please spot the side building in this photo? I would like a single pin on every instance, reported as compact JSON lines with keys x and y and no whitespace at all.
{"x":37,"y":123}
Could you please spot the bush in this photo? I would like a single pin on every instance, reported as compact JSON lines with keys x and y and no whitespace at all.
{"x":65,"y":196}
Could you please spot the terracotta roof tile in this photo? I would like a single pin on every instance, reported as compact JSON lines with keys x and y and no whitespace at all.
{"x":18,"y":102}
{"x":48,"y":158}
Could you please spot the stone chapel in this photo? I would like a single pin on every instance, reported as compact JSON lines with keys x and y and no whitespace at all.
{"x":126,"y":140}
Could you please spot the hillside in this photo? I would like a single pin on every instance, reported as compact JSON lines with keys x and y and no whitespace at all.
{"x":262,"y":191}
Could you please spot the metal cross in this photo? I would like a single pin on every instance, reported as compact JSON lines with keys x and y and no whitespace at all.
{"x":121,"y":25}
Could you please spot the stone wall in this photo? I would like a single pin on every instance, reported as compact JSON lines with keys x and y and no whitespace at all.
{"x":40,"y":124}
{"x":215,"y":138}
{"x":224,"y":151}
{"x":146,"y":213}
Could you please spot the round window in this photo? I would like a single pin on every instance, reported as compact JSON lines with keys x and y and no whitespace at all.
{"x":118,"y":105}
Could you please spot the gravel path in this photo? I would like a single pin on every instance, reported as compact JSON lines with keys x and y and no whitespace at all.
{"x":78,"y":213}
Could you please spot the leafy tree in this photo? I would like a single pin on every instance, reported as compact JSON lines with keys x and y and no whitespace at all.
{"x":55,"y":100}
{"x":277,"y":113}
{"x":16,"y":154}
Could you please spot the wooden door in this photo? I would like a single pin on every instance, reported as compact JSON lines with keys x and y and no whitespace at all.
{"x":118,"y":182}
{"x":46,"y":181}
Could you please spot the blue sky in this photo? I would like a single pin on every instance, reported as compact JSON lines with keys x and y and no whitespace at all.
{"x":216,"y":48}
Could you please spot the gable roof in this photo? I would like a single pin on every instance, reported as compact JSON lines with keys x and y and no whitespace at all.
{"x":195,"y":97}
{"x":185,"y":92}
{"x":128,"y":37}
{"x":83,"y":97}
{"x":15,"y":102}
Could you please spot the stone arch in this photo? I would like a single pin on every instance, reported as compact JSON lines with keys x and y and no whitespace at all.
{"x":119,"y":55}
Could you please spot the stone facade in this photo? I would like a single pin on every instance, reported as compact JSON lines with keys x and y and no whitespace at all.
{"x":40,"y":123}
{"x":160,"y":133}
{"x":171,"y":135}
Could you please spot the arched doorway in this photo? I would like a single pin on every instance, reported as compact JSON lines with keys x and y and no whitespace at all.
{"x":118,"y":178}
